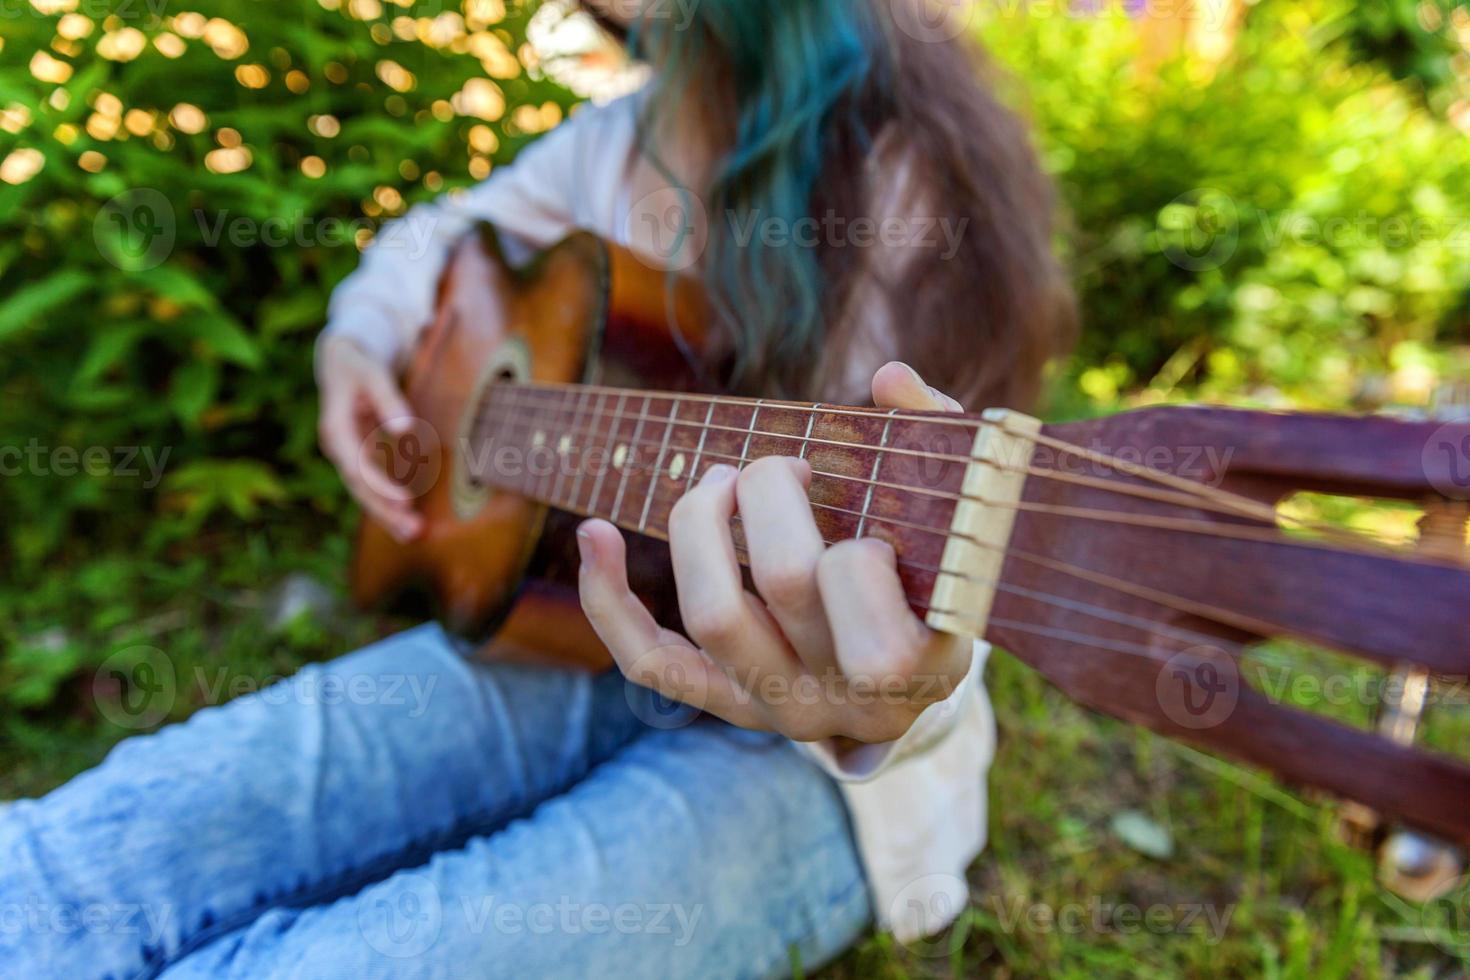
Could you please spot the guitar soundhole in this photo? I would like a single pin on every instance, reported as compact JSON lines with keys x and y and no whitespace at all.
{"x":470,"y":493}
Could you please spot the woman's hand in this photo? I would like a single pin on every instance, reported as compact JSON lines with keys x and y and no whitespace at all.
{"x":359,"y":395}
{"x":828,"y":648}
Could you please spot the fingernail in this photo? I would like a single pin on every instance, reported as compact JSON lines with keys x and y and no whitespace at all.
{"x":718,"y":473}
{"x":399,"y":425}
{"x":885,"y":550}
{"x":944,"y":400}
{"x":586,"y":546}
{"x":915,"y":375}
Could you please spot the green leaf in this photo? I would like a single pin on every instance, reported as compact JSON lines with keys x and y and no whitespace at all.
{"x":29,"y":303}
{"x":239,"y":486}
{"x":300,"y":310}
{"x":192,"y":389}
{"x":224,"y":335}
{"x":109,"y":346}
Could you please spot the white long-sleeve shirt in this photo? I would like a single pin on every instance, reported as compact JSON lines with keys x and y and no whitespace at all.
{"x":917,"y":804}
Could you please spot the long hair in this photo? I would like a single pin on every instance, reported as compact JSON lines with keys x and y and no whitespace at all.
{"x":809,"y":108}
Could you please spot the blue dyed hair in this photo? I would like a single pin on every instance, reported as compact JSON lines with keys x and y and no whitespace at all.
{"x":779,"y":77}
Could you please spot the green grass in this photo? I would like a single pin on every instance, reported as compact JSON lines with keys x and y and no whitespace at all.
{"x":1052,"y":893}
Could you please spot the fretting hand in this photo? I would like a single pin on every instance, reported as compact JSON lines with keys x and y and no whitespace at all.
{"x":828,"y":648}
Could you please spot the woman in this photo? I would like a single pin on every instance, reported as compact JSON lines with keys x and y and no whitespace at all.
{"x":456,"y":819}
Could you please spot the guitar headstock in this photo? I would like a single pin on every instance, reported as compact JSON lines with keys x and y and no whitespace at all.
{"x":1149,"y":567}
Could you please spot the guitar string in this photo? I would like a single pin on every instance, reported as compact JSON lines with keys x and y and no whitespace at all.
{"x":1236,"y":505}
{"x":1269,"y":535}
{"x":1180,"y":604}
{"x":1192,"y":607}
{"x":1225,"y":498}
{"x":1234,"y":648}
{"x":592,"y":429}
{"x":1225,"y":503}
{"x":1350,"y":540}
{"x":1181,"y":634}
{"x":1148,"y":627}
{"x":1101,"y":578}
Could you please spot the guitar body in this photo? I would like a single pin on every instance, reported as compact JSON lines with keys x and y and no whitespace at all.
{"x":494,"y":566}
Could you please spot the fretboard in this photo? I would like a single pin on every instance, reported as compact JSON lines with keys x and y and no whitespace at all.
{"x":627,"y":456}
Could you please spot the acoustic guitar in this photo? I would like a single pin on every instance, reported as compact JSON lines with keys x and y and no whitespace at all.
{"x":1132,"y":560}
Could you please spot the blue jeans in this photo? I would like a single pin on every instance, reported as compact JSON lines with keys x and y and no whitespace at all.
{"x":406,"y":812}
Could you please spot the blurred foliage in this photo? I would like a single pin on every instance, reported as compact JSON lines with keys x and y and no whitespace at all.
{"x":1420,"y":40}
{"x":1290,"y":227}
{"x":204,"y":178}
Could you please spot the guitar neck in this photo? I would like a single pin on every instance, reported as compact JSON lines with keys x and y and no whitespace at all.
{"x":911,"y":479}
{"x":1123,"y":586}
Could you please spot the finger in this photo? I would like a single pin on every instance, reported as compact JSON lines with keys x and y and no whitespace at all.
{"x":646,"y":653}
{"x":397,"y":517}
{"x":389,"y":404}
{"x":896,"y":385}
{"x":784,"y":547}
{"x":340,"y":444}
{"x":379,"y":452}
{"x":716,"y":609}
{"x":878,"y":636}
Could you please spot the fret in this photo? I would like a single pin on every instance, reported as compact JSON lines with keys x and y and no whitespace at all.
{"x":569,"y":440}
{"x":630,"y":461}
{"x":546,"y":438}
{"x":506,"y":431}
{"x":586,"y":456}
{"x":806,"y":439}
{"x":612,"y":437}
{"x":873,"y":477}
{"x":749,"y":434}
{"x":658,"y":465}
{"x":879,"y":474}
{"x":556,"y":439}
{"x":699,"y":450}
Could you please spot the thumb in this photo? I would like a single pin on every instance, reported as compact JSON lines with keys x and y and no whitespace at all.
{"x":896,"y":385}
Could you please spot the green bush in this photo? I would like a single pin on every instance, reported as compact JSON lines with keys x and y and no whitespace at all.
{"x":1290,"y":227}
{"x":204,"y":177}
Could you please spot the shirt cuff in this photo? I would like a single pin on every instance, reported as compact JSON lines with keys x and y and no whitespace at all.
{"x":934,"y":724}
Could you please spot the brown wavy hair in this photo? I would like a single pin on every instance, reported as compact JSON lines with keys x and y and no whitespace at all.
{"x":831,"y":110}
